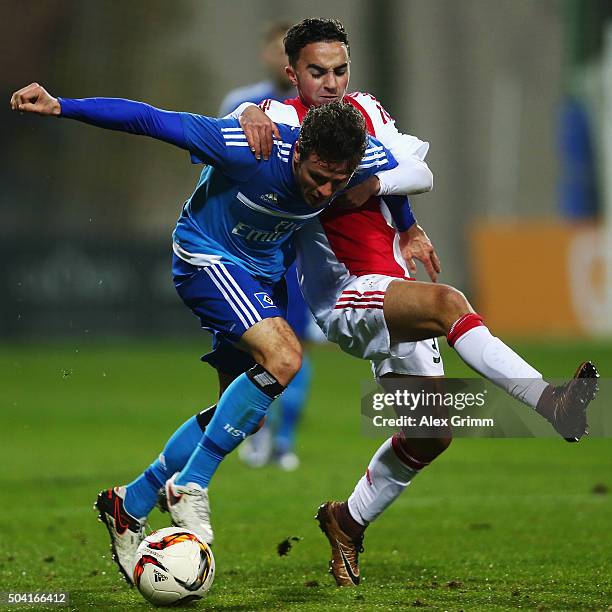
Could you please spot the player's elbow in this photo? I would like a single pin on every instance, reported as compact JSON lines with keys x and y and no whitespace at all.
{"x":423,"y":180}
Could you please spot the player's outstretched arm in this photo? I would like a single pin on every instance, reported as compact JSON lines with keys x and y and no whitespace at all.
{"x":202,"y":136}
{"x":34,"y":98}
{"x":110,"y":113}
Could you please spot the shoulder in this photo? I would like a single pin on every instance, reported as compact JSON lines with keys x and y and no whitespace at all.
{"x":288,"y":135}
{"x":371,"y":107}
{"x":280,"y":112}
{"x":232,"y":133}
{"x":376,"y":156}
{"x":221,"y":143}
{"x":362,"y":98}
{"x":200,"y":126}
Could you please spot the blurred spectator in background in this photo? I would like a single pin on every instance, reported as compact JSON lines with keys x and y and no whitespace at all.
{"x":578,"y":190}
{"x":277,"y":86}
{"x":580,"y":119}
{"x":276,"y":441}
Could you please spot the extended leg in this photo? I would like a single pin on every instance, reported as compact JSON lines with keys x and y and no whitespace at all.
{"x":414,"y":311}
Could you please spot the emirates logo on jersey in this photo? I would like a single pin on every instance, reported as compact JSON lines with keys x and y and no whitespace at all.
{"x":270,"y":198}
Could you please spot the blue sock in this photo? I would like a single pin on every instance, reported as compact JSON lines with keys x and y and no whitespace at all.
{"x":180,"y":446}
{"x":241,"y":407}
{"x":292,"y":402}
{"x":141,"y":494}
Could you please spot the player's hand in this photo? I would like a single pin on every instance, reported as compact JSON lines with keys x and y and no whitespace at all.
{"x":35,"y":99}
{"x":357,"y":196}
{"x":258,"y":129}
{"x":415,"y":244}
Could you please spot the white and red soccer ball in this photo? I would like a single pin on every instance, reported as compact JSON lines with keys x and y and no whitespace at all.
{"x":173,"y":565}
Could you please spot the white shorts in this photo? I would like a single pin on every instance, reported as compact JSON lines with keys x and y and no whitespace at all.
{"x":357,"y":324}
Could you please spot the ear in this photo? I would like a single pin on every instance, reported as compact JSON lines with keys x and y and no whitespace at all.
{"x":292,"y":75}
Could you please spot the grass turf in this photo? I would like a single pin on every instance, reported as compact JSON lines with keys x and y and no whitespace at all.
{"x":492,"y":524}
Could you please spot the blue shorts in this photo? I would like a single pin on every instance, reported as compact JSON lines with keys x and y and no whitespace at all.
{"x":228,"y":301}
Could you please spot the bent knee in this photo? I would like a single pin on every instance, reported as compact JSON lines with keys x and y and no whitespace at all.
{"x":283,"y":364}
{"x":452,"y":304}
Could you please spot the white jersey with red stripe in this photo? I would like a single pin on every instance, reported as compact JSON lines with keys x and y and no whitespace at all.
{"x":350,"y":243}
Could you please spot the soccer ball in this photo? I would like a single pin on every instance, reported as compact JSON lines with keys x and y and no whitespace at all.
{"x":173,"y":565}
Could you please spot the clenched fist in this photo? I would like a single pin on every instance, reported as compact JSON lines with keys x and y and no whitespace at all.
{"x":34,"y":98}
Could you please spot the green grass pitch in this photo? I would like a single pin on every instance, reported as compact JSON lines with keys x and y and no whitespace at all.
{"x":492,"y":525}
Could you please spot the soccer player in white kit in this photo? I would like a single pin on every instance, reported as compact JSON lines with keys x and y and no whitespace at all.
{"x":354,"y":278}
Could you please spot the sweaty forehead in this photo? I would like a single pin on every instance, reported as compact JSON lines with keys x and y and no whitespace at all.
{"x":325,"y":54}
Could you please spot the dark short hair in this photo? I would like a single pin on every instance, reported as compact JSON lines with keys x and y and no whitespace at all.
{"x":313,"y":30}
{"x":336,"y":132}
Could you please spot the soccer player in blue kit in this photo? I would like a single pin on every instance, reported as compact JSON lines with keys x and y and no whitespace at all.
{"x":276,"y":440}
{"x":232,"y":245}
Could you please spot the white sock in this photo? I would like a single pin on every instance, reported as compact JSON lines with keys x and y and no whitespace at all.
{"x":491,"y":358}
{"x":386,"y":477}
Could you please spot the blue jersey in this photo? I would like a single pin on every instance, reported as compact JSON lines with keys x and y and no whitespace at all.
{"x":298,"y":313}
{"x":246,"y":210}
{"x":243,"y":211}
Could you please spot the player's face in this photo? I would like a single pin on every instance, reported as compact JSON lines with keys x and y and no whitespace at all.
{"x":321,"y":73}
{"x":320,"y":180}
